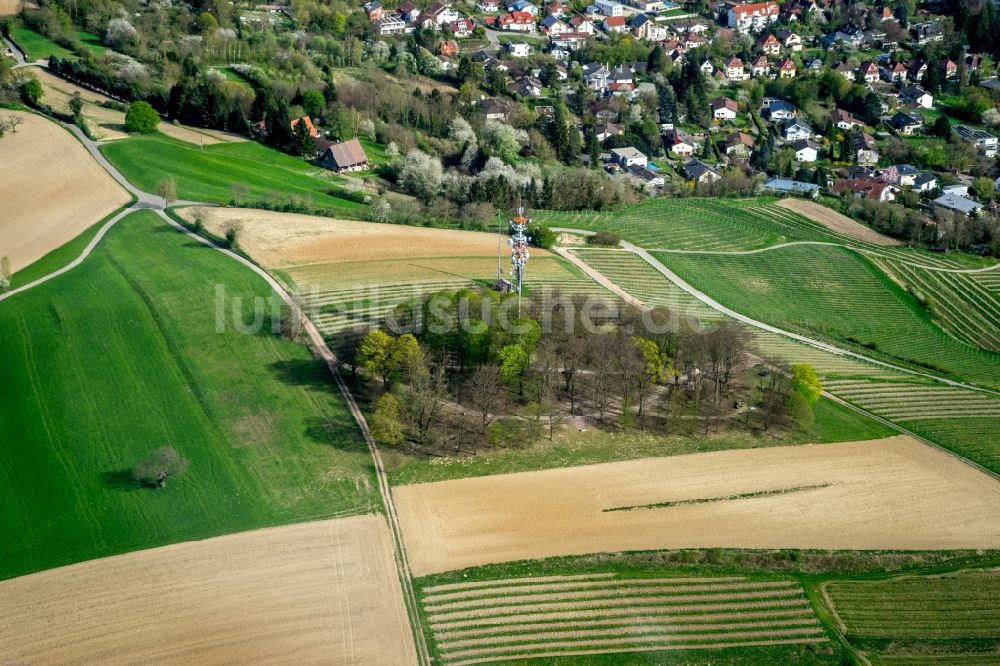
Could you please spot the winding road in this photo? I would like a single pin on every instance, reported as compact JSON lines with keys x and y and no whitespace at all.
{"x":149,"y":201}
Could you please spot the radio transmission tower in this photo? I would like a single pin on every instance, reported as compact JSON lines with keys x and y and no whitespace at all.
{"x":519,"y":248}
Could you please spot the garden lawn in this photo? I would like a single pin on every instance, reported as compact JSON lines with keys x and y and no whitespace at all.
{"x":36,"y":46}
{"x":122,"y":356}
{"x":209,"y":174}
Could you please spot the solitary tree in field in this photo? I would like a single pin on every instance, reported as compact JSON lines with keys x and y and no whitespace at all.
{"x":238,"y":192}
{"x":160,"y":465}
{"x":32,"y":91}
{"x":167,"y":188}
{"x":141,"y":118}
{"x":76,"y":105}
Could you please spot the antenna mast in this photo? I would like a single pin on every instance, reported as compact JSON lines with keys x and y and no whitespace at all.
{"x":519,"y":250}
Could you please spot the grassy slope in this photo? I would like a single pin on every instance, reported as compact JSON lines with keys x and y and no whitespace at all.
{"x":834,"y":423}
{"x":120,"y":356}
{"x":209,"y":174}
{"x":835,"y":294}
{"x":36,"y":46}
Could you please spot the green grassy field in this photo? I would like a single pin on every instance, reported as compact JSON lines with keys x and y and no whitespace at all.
{"x":922,"y":619}
{"x":121,"y":356}
{"x":834,"y":423}
{"x":835,"y":294}
{"x":209,"y":174}
{"x":36,"y":46}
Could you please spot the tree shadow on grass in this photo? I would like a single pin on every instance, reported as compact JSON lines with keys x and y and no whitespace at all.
{"x":309,"y":372}
{"x":120,"y":480}
{"x":339,"y":433}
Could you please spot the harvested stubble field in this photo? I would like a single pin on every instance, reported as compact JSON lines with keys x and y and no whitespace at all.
{"x":352,"y":273}
{"x":836,"y":222}
{"x":952,"y":618}
{"x":319,"y":593}
{"x":892,"y":493}
{"x":550,"y":616}
{"x":53,"y":190}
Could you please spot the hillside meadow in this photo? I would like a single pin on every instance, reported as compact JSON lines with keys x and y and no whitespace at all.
{"x":122,"y":356}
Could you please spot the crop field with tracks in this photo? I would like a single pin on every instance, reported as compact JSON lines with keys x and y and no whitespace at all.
{"x":951,"y":618}
{"x":548,"y":616}
{"x":122,"y":356}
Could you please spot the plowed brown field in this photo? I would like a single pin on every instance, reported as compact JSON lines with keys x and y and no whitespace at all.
{"x":882,"y":494}
{"x":833,"y":220}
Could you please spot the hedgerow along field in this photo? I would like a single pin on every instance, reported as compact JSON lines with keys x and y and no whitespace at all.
{"x":482,"y":621}
{"x":951,"y":618}
{"x":836,"y":294}
{"x":121,"y":356}
{"x":209,"y":173}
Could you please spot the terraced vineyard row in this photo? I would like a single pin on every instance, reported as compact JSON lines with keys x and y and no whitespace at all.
{"x":638,"y":278}
{"x":966,"y":422}
{"x":961,"y":304}
{"x":352,"y":294}
{"x":835,"y":294}
{"x":924,"y":619}
{"x":696,"y":224}
{"x":486,"y":621}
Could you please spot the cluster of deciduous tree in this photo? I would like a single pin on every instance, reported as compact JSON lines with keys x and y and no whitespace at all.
{"x":473,"y":369}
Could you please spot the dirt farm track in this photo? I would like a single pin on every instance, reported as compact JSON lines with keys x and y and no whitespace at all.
{"x":314,"y":593}
{"x":892,"y":493}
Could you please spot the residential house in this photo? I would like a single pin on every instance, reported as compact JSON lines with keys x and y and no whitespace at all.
{"x":523,"y":6}
{"x":517,"y":22}
{"x":440,"y":14}
{"x":595,"y":76}
{"x":844,"y":120}
{"x":518,"y":49}
{"x":849,"y":34}
{"x":791,"y":187}
{"x":614,"y":24}
{"x":604,"y":109}
{"x":648,"y":5}
{"x":462,"y":28}
{"x":906,"y":123}
{"x":805,"y":151}
{"x":646,"y":176}
{"x":448,"y":48}
{"x":916,"y":69}
{"x":925,"y":182}
{"x":956,"y":204}
{"x":679,"y":143}
{"x":786,"y":69}
{"x":695,"y":26}
{"x":605,"y":131}
{"x":582,"y":24}
{"x":894,"y":72}
{"x":724,"y":108}
{"x":647,"y":29}
{"x":626,"y":157}
{"x":985,"y":143}
{"x":739,"y":145}
{"x":526,"y":86}
{"x":868,"y":72}
{"x":866,"y":188}
{"x":734,"y":69}
{"x":795,"y":129}
{"x":925,"y":33}
{"x":751,"y":16}
{"x":760,"y":67}
{"x":790,"y":41}
{"x":374,"y":11}
{"x":345,"y":156}
{"x":845,"y":71}
{"x":770,"y":45}
{"x":408,"y":12}
{"x":914,"y":94}
{"x":488,"y":6}
{"x":553,"y":26}
{"x":948,"y":68}
{"x":445,"y":64}
{"x":956,"y":190}
{"x":904,"y":175}
{"x":609,"y":8}
{"x":863,"y":146}
{"x":392,"y":25}
{"x":776,"y":109}
{"x":707,"y":68}
{"x":309,"y":125}
{"x":494,"y":109}
{"x":700,"y":172}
